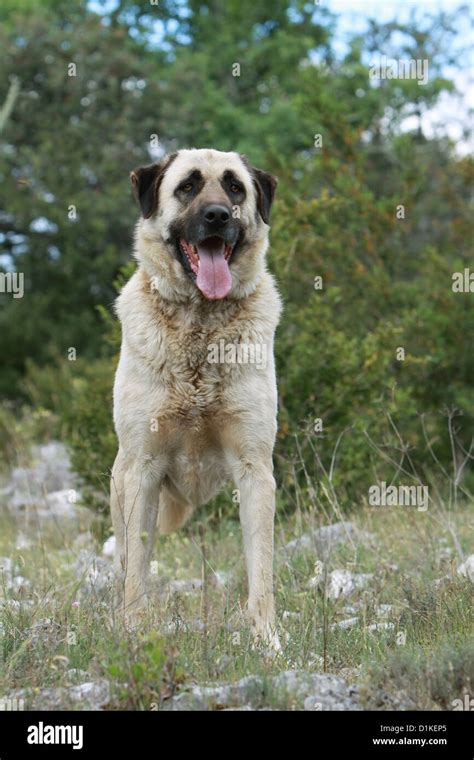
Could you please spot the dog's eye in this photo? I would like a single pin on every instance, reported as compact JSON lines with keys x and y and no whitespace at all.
{"x":187,"y":187}
{"x":235,"y":188}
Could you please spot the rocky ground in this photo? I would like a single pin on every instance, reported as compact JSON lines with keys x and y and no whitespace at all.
{"x":375,"y":612}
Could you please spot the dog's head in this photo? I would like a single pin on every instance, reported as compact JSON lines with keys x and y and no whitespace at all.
{"x":205,"y":222}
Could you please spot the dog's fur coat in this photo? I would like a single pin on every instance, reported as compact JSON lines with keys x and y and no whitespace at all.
{"x":187,"y":426}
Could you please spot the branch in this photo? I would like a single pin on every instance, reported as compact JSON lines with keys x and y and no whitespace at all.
{"x":7,"y":108}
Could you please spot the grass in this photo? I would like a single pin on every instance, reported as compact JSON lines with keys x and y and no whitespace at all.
{"x":423,"y":658}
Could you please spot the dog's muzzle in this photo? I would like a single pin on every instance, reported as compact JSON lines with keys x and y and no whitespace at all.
{"x":208,"y":247}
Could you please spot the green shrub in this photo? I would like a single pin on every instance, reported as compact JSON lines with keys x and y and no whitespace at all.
{"x":431,"y":679}
{"x":80,"y":393}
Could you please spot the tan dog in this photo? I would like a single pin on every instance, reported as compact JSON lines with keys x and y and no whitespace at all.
{"x":195,"y":397}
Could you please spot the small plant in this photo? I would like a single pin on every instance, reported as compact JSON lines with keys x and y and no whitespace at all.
{"x":145,"y":672}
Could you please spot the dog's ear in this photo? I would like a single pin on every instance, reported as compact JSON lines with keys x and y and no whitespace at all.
{"x":146,"y":181}
{"x":265,"y":186}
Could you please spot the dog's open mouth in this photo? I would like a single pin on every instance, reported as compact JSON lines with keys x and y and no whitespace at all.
{"x":209,"y":260}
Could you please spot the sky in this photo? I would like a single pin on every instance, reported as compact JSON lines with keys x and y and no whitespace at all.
{"x":385,"y":9}
{"x":451,"y":111}
{"x":353,"y":14}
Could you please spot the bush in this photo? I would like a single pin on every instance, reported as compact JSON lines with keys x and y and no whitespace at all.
{"x":80,"y":393}
{"x":338,"y":348}
{"x":430,"y":679}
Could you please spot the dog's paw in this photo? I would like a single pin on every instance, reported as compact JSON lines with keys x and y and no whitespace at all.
{"x":134,"y":614}
{"x":266,"y":639}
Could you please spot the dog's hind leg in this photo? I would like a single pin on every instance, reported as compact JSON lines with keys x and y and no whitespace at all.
{"x":173,"y":511}
{"x":117,"y":503}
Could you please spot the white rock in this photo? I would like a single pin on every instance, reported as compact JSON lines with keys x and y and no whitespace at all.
{"x":20,"y":583}
{"x":43,"y":631}
{"x":322,"y":540}
{"x":343,"y":583}
{"x":316,"y":661}
{"x":319,"y":574}
{"x":466,"y":569}
{"x":174,"y":626}
{"x":91,"y":693}
{"x":108,"y":548}
{"x":189,"y":586}
{"x":23,"y":542}
{"x":288,"y":615}
{"x":313,"y":704}
{"x":222,"y":578}
{"x":62,"y":504}
{"x":445,"y":553}
{"x":382,"y":610}
{"x":75,"y":674}
{"x":288,"y":686}
{"x":352,"y":609}
{"x":95,"y":572}
{"x":381,"y":627}
{"x":50,"y":471}
{"x":348,"y":623}
{"x":14,"y":604}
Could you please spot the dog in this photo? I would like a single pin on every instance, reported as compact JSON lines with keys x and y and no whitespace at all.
{"x":191,"y":417}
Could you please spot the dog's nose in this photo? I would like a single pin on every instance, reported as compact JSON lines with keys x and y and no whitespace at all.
{"x":216,"y":214}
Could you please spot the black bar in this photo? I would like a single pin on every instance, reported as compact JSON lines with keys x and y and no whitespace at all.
{"x":372,"y":734}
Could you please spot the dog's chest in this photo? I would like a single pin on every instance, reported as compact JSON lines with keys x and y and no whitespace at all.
{"x":194,"y":383}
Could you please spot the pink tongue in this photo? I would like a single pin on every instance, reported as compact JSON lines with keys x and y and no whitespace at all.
{"x":214,"y":279}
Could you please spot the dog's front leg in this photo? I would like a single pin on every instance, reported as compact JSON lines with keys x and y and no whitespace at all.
{"x":142,"y":482}
{"x":256,"y":487}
